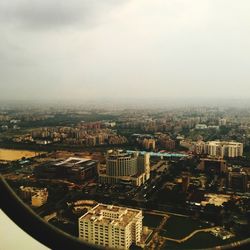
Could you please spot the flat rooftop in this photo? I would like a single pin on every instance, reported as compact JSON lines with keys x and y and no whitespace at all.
{"x":71,"y":161}
{"x":75,"y":163}
{"x":124,"y":215}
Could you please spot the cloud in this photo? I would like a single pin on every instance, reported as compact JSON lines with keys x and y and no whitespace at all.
{"x":122,"y":48}
{"x":49,"y":14}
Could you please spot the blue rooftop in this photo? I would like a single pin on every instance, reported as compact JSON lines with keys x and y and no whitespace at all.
{"x":178,"y":155}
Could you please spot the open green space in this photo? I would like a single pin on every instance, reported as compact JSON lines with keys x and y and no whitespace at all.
{"x":199,"y":241}
{"x":152,"y":221}
{"x":178,"y":227}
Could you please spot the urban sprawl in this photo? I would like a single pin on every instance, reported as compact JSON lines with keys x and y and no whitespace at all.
{"x":129,"y":179}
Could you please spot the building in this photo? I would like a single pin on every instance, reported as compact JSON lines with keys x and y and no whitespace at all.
{"x":222,"y":122}
{"x":215,"y":199}
{"x":126,"y":168}
{"x":200,"y":126}
{"x":111,"y":226}
{"x":188,"y":144}
{"x":149,"y":144}
{"x":224,"y":149}
{"x":199,"y":147}
{"x":185,"y":181}
{"x":238,"y":180}
{"x":167,"y":143}
{"x":143,"y":164}
{"x":212,"y":166}
{"x":73,"y":168}
{"x":219,"y":148}
{"x":37,"y":196}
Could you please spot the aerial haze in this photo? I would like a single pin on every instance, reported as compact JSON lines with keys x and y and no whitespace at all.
{"x":124,"y":50}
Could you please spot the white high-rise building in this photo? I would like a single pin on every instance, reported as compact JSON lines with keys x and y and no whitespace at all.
{"x":111,"y":226}
{"x":121,"y":163}
{"x":125,"y":167}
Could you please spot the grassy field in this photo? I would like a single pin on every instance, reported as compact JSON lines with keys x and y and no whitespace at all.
{"x":152,"y":221}
{"x":200,"y":240}
{"x":178,"y":227}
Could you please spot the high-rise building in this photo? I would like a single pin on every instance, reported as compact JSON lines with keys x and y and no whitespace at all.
{"x":143,"y":164}
{"x":212,"y":166}
{"x":238,"y":181}
{"x":111,"y":226}
{"x":119,"y":163}
{"x":124,"y":167}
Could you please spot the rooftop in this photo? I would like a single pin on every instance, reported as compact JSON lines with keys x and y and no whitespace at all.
{"x":71,"y":161}
{"x":75,"y":163}
{"x":110,"y":214}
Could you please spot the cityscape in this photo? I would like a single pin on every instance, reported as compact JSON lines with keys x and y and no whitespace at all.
{"x":133,"y":179}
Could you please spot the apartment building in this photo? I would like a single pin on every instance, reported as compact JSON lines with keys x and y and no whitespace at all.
{"x":219,"y":148}
{"x":111,"y":226}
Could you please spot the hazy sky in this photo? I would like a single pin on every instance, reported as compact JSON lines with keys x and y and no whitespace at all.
{"x":82,"y":49}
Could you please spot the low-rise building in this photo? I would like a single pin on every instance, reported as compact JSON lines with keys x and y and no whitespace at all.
{"x":212,"y":165}
{"x":37,"y":196}
{"x":73,"y":168}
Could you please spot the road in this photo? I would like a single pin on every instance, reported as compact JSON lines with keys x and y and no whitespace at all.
{"x":190,"y":235}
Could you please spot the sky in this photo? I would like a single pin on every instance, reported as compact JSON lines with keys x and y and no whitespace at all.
{"x":124,"y":49}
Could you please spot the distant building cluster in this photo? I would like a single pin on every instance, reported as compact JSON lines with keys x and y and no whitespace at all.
{"x":111,"y":226}
{"x":174,"y":122}
{"x":86,"y":134}
{"x":36,"y":196}
{"x":124,"y":167}
{"x":158,"y":141}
